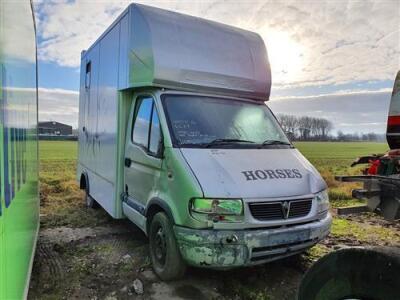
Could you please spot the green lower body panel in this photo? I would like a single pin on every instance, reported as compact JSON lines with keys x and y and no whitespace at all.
{"x":20,"y":228}
{"x":224,"y":249}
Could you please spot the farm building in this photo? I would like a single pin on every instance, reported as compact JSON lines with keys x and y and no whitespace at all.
{"x":54,"y":128}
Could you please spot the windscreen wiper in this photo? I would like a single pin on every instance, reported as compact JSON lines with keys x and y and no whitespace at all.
{"x":274,"y":142}
{"x":225,"y":141}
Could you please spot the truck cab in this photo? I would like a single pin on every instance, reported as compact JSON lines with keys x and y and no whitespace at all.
{"x":235,"y":190}
{"x":189,"y":150}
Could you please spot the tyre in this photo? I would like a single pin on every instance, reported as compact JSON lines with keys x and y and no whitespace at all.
{"x":354,"y":273}
{"x":164,"y":251}
{"x":89,"y":201}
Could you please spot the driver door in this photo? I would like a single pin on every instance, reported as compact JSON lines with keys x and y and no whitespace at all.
{"x":143,"y":151}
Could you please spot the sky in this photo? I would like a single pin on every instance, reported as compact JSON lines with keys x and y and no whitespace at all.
{"x":332,"y":59}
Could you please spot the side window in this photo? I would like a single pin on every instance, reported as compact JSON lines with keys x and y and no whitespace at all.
{"x":146,"y":129}
{"x":141,"y":127}
{"x":155,"y":133}
{"x":88,"y":74}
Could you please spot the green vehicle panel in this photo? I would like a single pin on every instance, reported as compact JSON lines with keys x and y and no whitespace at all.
{"x":19,"y":204}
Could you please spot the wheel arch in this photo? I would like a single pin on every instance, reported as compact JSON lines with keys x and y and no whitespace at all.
{"x":157,"y":205}
{"x":84,"y":182}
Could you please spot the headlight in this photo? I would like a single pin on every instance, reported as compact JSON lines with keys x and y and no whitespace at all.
{"x":322,"y":200}
{"x":216,"y":210}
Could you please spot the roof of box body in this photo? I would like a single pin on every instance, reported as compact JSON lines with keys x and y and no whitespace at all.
{"x":172,"y":50}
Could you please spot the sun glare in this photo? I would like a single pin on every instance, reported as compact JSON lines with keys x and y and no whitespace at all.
{"x":286,"y":56}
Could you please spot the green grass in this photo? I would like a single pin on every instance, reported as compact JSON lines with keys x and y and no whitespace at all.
{"x":58,"y":151}
{"x":339,"y":150}
{"x":334,"y":158}
{"x":61,"y":199}
{"x":57,"y":166}
{"x":364,"y":232}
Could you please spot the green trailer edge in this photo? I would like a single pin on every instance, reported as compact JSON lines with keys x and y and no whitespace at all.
{"x":19,"y":202}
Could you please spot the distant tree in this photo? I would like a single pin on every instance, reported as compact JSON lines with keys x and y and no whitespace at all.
{"x":372,"y":136}
{"x":292,"y":124}
{"x":364,"y":137}
{"x":341,"y":136}
{"x":356,"y":136}
{"x":306,"y":127}
{"x":326,"y":126}
{"x":283,"y":121}
{"x":289,"y":124}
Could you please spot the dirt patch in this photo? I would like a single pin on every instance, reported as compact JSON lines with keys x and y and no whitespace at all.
{"x":87,"y":262}
{"x":102,"y":263}
{"x":66,"y":234}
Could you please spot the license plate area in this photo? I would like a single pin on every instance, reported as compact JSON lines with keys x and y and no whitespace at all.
{"x":289,"y":237}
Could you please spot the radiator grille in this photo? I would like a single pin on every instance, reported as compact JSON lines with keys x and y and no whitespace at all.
{"x":269,"y":211}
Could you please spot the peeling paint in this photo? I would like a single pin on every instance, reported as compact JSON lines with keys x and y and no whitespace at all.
{"x":217,"y":248}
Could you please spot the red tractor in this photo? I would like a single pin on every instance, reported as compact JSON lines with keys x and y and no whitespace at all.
{"x":381,"y":177}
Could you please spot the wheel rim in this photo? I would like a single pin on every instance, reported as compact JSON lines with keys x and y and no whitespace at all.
{"x":160,"y":246}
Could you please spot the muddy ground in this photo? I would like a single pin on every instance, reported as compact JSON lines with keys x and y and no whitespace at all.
{"x":103,"y":262}
{"x":84,"y":254}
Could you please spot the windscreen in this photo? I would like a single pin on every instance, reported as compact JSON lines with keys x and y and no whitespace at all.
{"x":198,"y":120}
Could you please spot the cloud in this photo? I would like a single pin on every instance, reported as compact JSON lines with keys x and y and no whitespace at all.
{"x":312,"y":42}
{"x":17,"y":42}
{"x":339,"y":93}
{"x":362,"y":111}
{"x":59,"y":105}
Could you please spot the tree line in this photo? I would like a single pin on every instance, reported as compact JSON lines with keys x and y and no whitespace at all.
{"x":306,"y":128}
{"x":367,"y":137}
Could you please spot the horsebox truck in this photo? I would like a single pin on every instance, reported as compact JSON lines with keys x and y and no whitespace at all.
{"x":175,"y":135}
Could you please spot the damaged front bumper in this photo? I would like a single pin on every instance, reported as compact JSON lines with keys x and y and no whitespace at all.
{"x":233,"y":248}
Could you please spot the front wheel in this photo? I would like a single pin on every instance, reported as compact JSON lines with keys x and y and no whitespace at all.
{"x":164,"y":251}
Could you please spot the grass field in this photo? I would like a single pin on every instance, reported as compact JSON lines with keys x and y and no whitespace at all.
{"x":61,"y":197}
{"x":71,"y":269}
{"x":335,"y":158}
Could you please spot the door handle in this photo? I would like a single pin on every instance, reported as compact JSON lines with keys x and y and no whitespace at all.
{"x":128,"y":162}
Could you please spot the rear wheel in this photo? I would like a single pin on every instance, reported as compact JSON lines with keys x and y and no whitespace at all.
{"x":164,"y":251}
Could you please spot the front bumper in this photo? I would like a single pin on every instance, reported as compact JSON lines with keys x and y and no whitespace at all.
{"x":233,"y":248}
